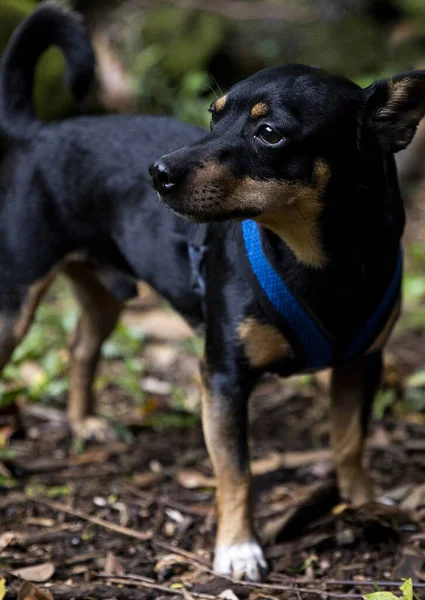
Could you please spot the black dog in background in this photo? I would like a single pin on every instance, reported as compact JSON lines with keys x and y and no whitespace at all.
{"x":309,"y":279}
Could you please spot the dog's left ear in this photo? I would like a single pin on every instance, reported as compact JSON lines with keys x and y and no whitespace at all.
{"x":394,"y":107}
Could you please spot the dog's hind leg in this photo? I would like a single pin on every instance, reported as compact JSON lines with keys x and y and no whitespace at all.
{"x":100,"y":311}
{"x":352,"y":392}
{"x":17,"y":308}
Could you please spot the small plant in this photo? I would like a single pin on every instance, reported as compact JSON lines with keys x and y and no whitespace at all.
{"x":406,"y":589}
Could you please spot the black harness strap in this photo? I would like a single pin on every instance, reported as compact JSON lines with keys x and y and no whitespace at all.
{"x":197,"y":248}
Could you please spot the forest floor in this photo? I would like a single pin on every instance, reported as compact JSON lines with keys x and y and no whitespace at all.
{"x":135,"y":518}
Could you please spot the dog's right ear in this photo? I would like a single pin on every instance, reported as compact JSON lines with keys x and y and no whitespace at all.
{"x":393,"y":108}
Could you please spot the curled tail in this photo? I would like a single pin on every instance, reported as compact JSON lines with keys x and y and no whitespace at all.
{"x":45,"y":27}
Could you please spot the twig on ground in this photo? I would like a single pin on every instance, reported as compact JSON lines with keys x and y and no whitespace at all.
{"x":176,"y":550}
{"x":261,"y":586}
{"x":143,"y":537}
{"x":140,"y":581}
{"x":372,"y":583}
{"x":100,"y":592}
{"x":164,"y":500}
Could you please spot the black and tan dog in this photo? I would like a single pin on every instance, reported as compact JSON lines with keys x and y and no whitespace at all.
{"x":299,"y":267}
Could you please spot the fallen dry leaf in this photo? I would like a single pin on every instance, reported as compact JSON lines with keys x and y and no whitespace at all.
{"x":187,"y":595}
{"x":411,"y":562}
{"x":98,"y":454}
{"x":273,"y":527}
{"x":152,"y":385}
{"x":113,"y":565}
{"x":4,"y":471}
{"x":192,"y":479}
{"x":5,"y":434}
{"x":415,"y":499}
{"x":29,"y":591}
{"x":169,"y":565}
{"x":288,"y":460}
{"x":160,"y":357}
{"x":228,"y":595}
{"x":267,"y":464}
{"x":6,"y":539}
{"x":36,"y":573}
{"x":40,"y":522}
{"x":340,"y":508}
{"x":159,"y":324}
{"x":32,"y":373}
{"x":147,"y":479}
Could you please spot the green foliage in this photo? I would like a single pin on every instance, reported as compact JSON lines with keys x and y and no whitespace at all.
{"x":406,"y":589}
{"x":11,"y":14}
{"x":56,"y":491}
{"x":195,"y":345}
{"x":188,"y":39}
{"x":187,"y":99}
{"x":7,"y":482}
{"x":170,"y":72}
{"x":413,"y":288}
{"x":383,"y":401}
{"x":49,"y":84}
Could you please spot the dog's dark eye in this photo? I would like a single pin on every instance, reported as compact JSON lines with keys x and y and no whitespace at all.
{"x":269,"y":135}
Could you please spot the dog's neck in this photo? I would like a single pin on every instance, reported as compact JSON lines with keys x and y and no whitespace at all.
{"x":303,"y":235}
{"x":354,"y":220}
{"x":342,"y":264}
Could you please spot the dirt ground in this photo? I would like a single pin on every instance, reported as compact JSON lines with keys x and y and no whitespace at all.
{"x":135,"y":518}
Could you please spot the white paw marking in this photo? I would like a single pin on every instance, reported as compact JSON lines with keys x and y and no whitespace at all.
{"x":240,"y":561}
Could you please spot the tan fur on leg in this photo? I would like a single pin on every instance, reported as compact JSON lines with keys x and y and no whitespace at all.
{"x":99,"y":314}
{"x":237,"y":551}
{"x":14,"y":325}
{"x":353,"y":387}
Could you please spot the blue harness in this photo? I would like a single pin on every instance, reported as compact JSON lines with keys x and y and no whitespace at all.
{"x":318,"y":350}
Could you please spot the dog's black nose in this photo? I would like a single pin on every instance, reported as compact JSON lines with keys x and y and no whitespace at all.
{"x":162,"y":180}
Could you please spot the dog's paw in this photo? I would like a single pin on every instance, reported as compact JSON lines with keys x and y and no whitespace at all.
{"x":93,"y":429}
{"x":241,"y":561}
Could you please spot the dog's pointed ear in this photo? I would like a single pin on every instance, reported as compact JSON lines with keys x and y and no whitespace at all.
{"x":394,"y":107}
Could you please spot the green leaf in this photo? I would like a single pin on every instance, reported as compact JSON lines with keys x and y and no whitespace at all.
{"x":383,"y":401}
{"x":417,"y":379}
{"x":407,"y":589}
{"x":7,"y":482}
{"x":413,"y":288}
{"x":2,"y":588}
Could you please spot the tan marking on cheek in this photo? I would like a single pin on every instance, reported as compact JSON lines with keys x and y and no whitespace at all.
{"x":385,"y":333}
{"x":292,"y":211}
{"x":262,"y":343}
{"x":220,"y":103}
{"x":260,"y":109}
{"x":289,"y":209}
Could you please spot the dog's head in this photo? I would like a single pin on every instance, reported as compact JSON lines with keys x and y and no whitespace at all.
{"x":279,"y":138}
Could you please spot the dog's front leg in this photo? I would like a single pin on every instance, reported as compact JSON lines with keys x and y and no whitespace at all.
{"x":224,"y":417}
{"x":352,"y":392}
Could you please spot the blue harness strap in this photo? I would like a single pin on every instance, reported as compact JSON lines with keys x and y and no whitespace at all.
{"x":318,"y":349}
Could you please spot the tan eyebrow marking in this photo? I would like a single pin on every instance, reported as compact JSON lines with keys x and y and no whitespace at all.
{"x":220,"y":103}
{"x":259,"y":110}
